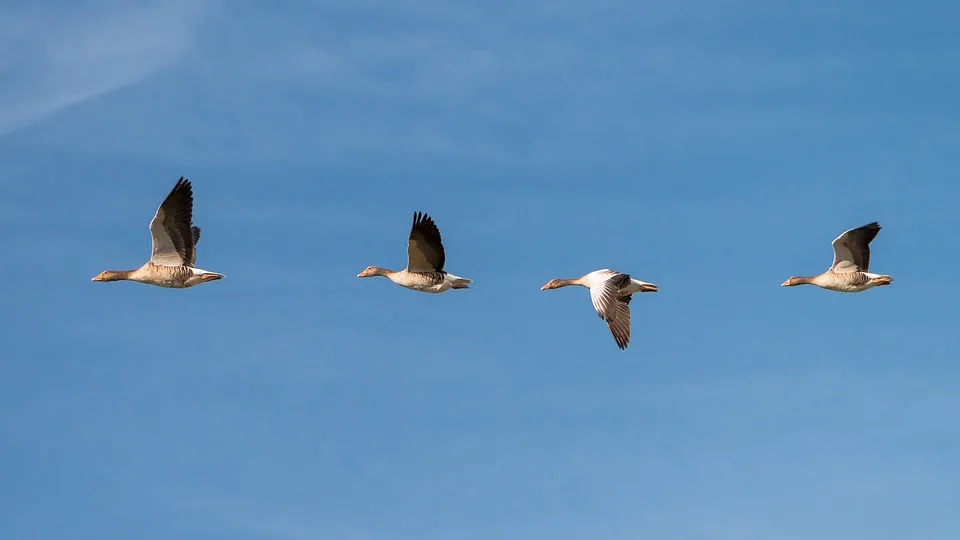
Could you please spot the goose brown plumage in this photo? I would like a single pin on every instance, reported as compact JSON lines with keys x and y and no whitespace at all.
{"x":425,"y":261}
{"x":174,"y":254}
{"x":850,"y":271}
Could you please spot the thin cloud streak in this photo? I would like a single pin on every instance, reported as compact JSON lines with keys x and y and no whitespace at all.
{"x":465,"y":92}
{"x":63,"y":59}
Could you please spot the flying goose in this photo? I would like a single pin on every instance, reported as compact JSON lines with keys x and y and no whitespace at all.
{"x":610,"y":293}
{"x":425,"y":260}
{"x":174,"y":246}
{"x":851,"y":263}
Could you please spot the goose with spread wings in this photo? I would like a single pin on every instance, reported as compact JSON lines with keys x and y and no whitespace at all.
{"x":425,"y":261}
{"x":850,"y":271}
{"x":174,"y":246}
{"x":610,"y":293}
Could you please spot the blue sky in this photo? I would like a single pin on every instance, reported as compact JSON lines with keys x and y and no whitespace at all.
{"x":713,"y":148}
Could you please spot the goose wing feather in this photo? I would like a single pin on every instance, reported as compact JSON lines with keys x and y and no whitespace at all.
{"x":425,"y":246}
{"x":172,"y":231}
{"x":605,"y":288}
{"x":851,"y":250}
{"x":620,"y":325}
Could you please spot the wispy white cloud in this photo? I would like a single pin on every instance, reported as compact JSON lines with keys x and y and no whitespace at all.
{"x":56,"y":58}
{"x":541,"y":83}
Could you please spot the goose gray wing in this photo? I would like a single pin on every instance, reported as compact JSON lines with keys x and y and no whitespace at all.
{"x":620,"y":325}
{"x":851,"y":250}
{"x":604,"y":293}
{"x":424,"y":247}
{"x":172,"y":230}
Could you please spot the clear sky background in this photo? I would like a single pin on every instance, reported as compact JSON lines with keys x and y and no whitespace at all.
{"x":712,"y":148}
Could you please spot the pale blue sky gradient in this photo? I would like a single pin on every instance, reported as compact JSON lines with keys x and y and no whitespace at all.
{"x":713,"y":148}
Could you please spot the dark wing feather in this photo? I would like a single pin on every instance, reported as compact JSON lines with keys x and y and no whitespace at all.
{"x":172,"y":228}
{"x":196,"y":238}
{"x":605,"y":295}
{"x":620,"y":325}
{"x":425,"y":247}
{"x":853,"y":246}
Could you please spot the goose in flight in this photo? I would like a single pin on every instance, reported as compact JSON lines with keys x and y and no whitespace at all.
{"x":174,"y":246}
{"x":425,"y":260}
{"x":850,"y":271}
{"x":610,"y":293}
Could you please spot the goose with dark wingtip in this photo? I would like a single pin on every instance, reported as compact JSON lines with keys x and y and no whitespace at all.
{"x":425,"y":261}
{"x":850,"y":271}
{"x":174,"y":246}
{"x":610,"y":293}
